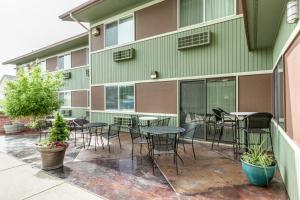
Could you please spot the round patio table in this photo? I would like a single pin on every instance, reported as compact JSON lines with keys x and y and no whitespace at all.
{"x":148,"y":119}
{"x":160,"y":130}
{"x":95,"y":125}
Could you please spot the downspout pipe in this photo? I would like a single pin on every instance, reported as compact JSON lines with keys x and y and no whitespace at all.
{"x":74,"y":19}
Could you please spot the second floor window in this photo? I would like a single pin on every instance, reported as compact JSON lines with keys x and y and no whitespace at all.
{"x":119,"y":32}
{"x":64,"y":62}
{"x":43,"y":67}
{"x":198,"y":11}
{"x":65,"y":98}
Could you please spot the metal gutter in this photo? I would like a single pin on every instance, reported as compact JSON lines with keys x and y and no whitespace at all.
{"x":76,"y":20}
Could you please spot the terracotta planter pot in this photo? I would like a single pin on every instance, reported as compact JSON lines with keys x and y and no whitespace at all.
{"x":52,"y":158}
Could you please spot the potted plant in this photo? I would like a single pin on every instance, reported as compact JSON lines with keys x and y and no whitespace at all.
{"x":54,"y":147}
{"x":258,"y":165}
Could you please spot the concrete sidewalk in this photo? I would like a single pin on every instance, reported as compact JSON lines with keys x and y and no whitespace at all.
{"x":19,"y":181}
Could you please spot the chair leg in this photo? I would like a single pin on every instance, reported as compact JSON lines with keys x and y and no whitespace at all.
{"x":132,"y":151}
{"x":75,"y":137}
{"x":183,"y":147}
{"x":212,"y":144}
{"x":193,"y":149}
{"x":270,"y":133}
{"x":220,"y":135}
{"x":176,"y":164}
{"x":108,"y":144}
{"x":141,"y":145}
{"x":119,"y":141}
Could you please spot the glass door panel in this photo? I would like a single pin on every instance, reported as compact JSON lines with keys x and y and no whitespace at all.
{"x":221,"y":94}
{"x":193,"y":104}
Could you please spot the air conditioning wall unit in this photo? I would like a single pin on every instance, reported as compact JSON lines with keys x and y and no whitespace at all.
{"x":195,"y":40}
{"x":67,"y":75}
{"x":66,"y":113}
{"x":124,"y":55}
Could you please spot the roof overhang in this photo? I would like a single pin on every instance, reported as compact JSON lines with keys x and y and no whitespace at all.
{"x":262,"y":21}
{"x":64,"y":45}
{"x":94,"y":10}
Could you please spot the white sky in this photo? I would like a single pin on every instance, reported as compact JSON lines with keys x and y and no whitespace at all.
{"x":27,"y":25}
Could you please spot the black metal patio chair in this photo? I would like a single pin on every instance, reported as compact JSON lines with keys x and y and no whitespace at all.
{"x":137,"y":138}
{"x":258,"y":123}
{"x":166,"y":121}
{"x":78,"y":125}
{"x":113,"y":131}
{"x":43,"y":127}
{"x":164,"y":144}
{"x":188,"y":136}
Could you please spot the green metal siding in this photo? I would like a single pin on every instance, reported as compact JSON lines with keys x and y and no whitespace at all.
{"x":78,"y":80}
{"x":228,"y":53}
{"x":282,"y":37}
{"x":77,"y":112}
{"x":288,"y":162}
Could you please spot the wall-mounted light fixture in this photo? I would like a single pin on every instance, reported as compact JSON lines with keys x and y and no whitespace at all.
{"x":292,"y":11}
{"x":96,"y":31}
{"x":154,"y":75}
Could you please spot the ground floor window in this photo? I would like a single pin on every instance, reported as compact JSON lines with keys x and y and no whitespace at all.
{"x":279,"y":94}
{"x":119,"y":97}
{"x":65,"y":98}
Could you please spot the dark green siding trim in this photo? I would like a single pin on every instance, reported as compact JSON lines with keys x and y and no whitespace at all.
{"x":288,"y":160}
{"x":78,"y":80}
{"x":228,"y":53}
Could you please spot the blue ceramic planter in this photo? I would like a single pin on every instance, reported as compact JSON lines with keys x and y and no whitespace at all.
{"x":259,"y":176}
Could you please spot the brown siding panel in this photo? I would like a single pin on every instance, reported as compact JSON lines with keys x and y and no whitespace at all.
{"x":97,"y":42}
{"x":97,"y":98}
{"x":51,"y":64}
{"x":157,"y":97}
{"x":79,"y":98}
{"x":239,"y":7}
{"x":79,"y":58}
{"x":256,"y":93}
{"x":157,"y":19}
{"x":292,"y":85}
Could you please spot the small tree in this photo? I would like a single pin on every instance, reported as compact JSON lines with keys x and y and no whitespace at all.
{"x":32,"y":95}
{"x":59,"y":131}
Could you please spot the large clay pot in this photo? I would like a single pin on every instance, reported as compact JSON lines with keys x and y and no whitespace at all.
{"x":52,"y":158}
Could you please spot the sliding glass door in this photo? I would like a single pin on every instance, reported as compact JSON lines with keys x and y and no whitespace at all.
{"x":199,"y":97}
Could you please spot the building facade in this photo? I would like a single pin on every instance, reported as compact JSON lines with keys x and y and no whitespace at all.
{"x":181,"y":58}
{"x":71,"y":57}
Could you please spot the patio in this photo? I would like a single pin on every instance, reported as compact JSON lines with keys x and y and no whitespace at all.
{"x":214,"y":175}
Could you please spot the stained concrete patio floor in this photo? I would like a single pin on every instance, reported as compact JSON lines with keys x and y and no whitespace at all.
{"x":213,"y":175}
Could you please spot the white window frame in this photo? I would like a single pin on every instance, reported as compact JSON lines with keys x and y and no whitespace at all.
{"x":66,"y":61}
{"x":118,"y":22}
{"x":70,"y":99}
{"x":118,"y":109}
{"x":43,"y":66}
{"x":204,"y":14}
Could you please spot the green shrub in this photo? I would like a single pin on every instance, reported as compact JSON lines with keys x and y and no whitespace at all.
{"x":59,"y":133}
{"x":258,"y":157}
